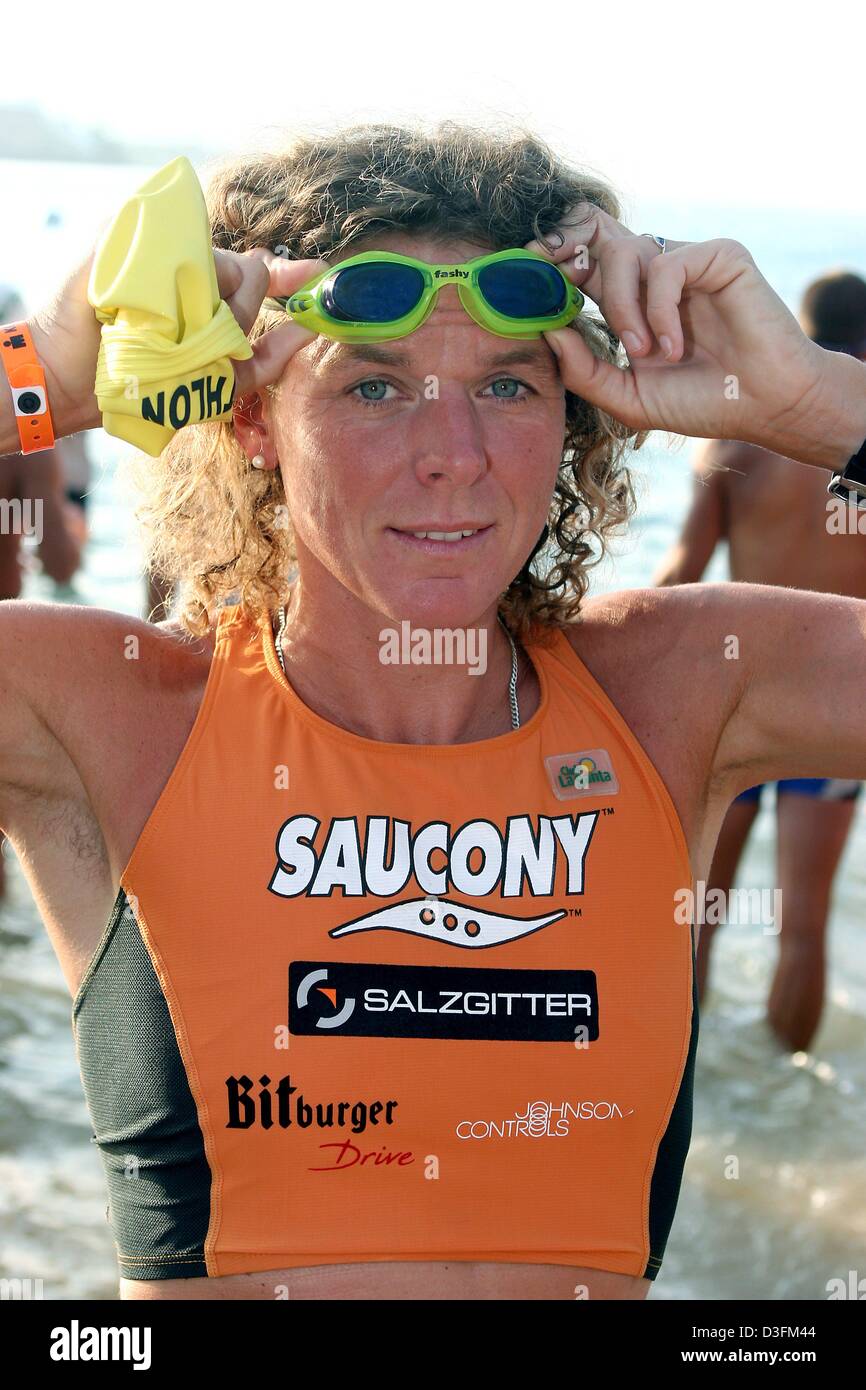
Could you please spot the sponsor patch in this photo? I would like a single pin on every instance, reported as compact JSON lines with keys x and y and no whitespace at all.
{"x":432,"y":1001}
{"x":582,"y":774}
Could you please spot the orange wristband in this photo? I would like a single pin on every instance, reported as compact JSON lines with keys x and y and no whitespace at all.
{"x":29,"y":392}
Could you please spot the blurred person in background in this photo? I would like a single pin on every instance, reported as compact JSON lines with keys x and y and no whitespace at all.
{"x":780,"y":529}
{"x":47,"y":492}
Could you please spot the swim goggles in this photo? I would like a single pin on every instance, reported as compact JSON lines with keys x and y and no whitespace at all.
{"x":379,"y":295}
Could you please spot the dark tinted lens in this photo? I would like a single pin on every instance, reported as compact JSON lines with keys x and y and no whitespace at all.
{"x":378,"y":292}
{"x":523,"y":289}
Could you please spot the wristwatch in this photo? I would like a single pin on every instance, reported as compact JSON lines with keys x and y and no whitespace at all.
{"x":27,"y":383}
{"x":850,"y":484}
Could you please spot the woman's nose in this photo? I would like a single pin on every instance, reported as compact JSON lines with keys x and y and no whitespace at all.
{"x":448,"y":438}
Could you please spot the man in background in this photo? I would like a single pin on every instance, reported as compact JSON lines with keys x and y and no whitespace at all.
{"x":774,"y":515}
{"x":34,"y":488}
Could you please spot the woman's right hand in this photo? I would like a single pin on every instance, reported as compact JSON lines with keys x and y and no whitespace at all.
{"x":66,"y":331}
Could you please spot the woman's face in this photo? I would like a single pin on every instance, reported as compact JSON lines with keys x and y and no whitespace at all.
{"x":446,"y":429}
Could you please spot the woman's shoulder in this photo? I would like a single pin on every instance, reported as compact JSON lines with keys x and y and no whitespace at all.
{"x":70,"y":650}
{"x":636,"y":626}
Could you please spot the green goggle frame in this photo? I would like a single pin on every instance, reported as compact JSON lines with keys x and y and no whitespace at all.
{"x":485,"y":286}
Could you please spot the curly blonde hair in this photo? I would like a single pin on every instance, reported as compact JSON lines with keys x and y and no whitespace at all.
{"x":218,"y":530}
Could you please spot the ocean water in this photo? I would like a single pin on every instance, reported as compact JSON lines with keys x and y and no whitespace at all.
{"x":795,"y":1216}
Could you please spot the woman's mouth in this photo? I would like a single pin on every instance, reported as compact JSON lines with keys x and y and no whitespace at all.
{"x":434,"y":542}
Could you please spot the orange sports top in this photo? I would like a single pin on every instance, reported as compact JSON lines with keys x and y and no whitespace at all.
{"x":365,"y":1001}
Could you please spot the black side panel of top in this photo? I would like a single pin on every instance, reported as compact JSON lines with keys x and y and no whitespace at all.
{"x":673,"y":1149}
{"x":142,"y":1110}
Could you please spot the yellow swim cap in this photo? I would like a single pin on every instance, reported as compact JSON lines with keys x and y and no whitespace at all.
{"x":167,"y":336}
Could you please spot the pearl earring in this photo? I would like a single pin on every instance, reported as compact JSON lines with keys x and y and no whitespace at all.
{"x":258,"y":461}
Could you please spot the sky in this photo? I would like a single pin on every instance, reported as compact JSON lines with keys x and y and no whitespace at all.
{"x":706,"y":102}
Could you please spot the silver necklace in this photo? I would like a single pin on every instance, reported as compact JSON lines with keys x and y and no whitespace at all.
{"x":512,"y":683}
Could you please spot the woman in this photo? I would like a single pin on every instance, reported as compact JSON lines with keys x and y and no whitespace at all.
{"x":395,"y":997}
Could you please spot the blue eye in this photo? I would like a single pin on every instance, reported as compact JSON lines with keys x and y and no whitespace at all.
{"x":509,"y":381}
{"x":372,"y":392}
{"x":377,"y":386}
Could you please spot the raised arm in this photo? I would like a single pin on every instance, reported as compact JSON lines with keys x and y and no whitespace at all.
{"x":66,"y":337}
{"x":30,"y":755}
{"x":34,"y":638}
{"x":713,"y":351}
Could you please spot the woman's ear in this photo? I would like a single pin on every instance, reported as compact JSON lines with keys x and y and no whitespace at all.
{"x":253,"y":433}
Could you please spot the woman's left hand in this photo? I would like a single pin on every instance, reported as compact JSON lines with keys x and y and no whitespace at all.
{"x":739,"y":365}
